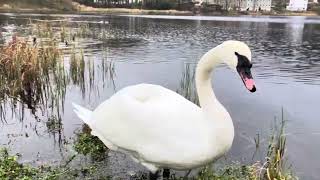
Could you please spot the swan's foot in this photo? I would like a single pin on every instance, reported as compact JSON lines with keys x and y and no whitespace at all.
{"x":153,"y":176}
{"x":166,"y":173}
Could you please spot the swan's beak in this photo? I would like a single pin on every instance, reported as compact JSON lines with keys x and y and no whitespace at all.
{"x":246,"y":76}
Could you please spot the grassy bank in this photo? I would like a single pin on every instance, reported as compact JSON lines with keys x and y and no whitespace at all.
{"x":90,"y":10}
{"x":67,"y":6}
{"x":36,"y":5}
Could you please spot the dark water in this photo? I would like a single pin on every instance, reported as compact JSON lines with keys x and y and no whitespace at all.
{"x":155,"y":49}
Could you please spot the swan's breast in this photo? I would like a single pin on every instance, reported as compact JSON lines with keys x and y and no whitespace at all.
{"x":159,"y":125}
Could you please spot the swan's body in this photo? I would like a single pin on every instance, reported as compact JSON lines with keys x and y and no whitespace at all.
{"x":161,"y":129}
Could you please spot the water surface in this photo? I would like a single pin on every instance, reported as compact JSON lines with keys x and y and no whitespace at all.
{"x":156,"y":49}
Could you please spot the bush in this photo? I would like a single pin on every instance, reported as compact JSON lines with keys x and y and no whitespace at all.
{"x":65,"y":5}
{"x":162,"y":5}
{"x":279,"y":7}
{"x":316,"y":9}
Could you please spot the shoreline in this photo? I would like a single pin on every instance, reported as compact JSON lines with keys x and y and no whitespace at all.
{"x":101,"y":11}
{"x":80,"y":9}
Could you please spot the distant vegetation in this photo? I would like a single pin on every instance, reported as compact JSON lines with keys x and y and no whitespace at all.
{"x":65,"y":5}
{"x":146,"y":4}
{"x":108,"y":6}
{"x":315,"y":8}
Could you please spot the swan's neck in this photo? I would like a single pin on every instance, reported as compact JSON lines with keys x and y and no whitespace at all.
{"x":220,"y":124}
{"x":206,"y":65}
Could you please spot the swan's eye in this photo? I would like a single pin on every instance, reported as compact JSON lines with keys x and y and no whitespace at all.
{"x":243,"y":61}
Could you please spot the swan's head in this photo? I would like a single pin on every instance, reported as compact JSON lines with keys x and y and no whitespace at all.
{"x":237,"y":56}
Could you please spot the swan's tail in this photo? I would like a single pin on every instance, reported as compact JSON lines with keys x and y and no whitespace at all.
{"x":83,"y":113}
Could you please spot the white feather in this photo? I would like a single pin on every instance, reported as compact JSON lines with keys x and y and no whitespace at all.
{"x":159,"y":128}
{"x":83,"y":113}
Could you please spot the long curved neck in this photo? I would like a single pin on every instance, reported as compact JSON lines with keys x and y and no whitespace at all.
{"x":205,"y":66}
{"x":219,"y":121}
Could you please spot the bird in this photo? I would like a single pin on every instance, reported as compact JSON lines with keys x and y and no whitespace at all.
{"x":160,"y":129}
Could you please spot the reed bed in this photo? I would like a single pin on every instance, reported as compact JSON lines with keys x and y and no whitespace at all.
{"x":34,"y":73}
{"x":187,"y":84}
{"x":31,"y":75}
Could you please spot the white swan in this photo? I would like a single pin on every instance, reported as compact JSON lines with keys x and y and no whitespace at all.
{"x":161,"y":129}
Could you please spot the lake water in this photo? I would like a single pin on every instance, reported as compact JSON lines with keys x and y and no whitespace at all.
{"x":156,"y":49}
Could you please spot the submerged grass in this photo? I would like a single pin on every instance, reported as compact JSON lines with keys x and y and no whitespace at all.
{"x":276,"y":166}
{"x":33,"y":74}
{"x":187,"y":84}
{"x":54,"y":124}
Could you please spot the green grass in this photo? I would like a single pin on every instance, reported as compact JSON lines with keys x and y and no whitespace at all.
{"x":11,"y":169}
{"x":230,"y":172}
{"x":87,"y":144}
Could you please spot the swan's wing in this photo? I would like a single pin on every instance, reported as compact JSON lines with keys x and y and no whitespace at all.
{"x":151,"y":122}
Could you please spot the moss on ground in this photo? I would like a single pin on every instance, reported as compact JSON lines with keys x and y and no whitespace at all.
{"x":87,"y":144}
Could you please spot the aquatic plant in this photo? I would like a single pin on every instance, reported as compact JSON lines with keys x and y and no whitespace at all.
{"x":108,"y":69}
{"x":77,"y":69}
{"x":230,"y":172}
{"x":187,"y":84}
{"x":88,"y":144}
{"x":84,"y":30}
{"x":31,"y":75}
{"x":54,"y":124}
{"x":274,"y":168}
{"x":11,"y":169}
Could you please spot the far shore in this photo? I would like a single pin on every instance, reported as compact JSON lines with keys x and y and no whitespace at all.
{"x":80,"y":9}
{"x":90,"y":10}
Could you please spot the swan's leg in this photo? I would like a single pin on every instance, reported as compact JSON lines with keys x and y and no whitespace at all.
{"x":153,"y":176}
{"x":166,"y":173}
{"x":187,"y":174}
